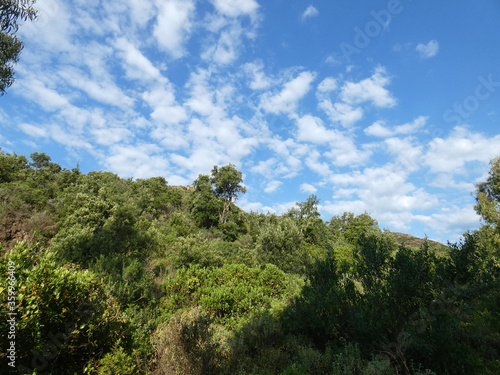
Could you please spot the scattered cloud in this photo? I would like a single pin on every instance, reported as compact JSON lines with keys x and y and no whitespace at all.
{"x":286,"y":100}
{"x":310,"y":12}
{"x":173,"y":25}
{"x":258,"y":79}
{"x":449,"y":155}
{"x":379,"y":129}
{"x":369,"y":90}
{"x":172,"y":87}
{"x":136,"y":65}
{"x":308,"y":188}
{"x":235,"y":8}
{"x":426,"y":51}
{"x":272,"y":186}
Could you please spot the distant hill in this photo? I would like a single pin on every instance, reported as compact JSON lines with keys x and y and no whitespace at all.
{"x":415,"y":242}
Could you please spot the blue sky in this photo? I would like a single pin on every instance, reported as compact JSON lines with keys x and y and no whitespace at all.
{"x":385,"y":107}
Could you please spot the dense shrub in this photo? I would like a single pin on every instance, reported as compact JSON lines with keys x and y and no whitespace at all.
{"x":64,"y":317}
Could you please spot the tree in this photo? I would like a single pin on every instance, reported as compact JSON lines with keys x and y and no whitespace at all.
{"x":10,"y":46}
{"x":40,"y":160}
{"x":488,"y":195}
{"x":205,"y":206}
{"x":227,"y":184}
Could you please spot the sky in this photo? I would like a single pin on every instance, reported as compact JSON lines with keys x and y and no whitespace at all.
{"x":384,"y":107}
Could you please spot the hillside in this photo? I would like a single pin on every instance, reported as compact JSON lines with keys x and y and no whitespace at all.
{"x":114,"y":276}
{"x":415,"y":242}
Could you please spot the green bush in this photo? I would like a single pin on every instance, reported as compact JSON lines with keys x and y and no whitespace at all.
{"x":184,"y":345}
{"x":229,"y":294}
{"x":64,"y":317}
{"x":279,"y":242}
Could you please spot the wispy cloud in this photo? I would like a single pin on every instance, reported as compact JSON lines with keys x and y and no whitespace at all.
{"x":426,"y":51}
{"x":235,"y":8}
{"x":173,"y":26}
{"x":286,"y":100}
{"x":310,"y":12}
{"x":379,"y":128}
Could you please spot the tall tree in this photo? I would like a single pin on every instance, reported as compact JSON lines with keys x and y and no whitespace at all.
{"x":488,"y":196}
{"x":227,"y":184}
{"x":11,"y":11}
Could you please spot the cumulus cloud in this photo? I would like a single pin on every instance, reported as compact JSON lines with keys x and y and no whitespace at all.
{"x":406,"y":152}
{"x":451,"y":220}
{"x":369,"y":90}
{"x":235,"y":8}
{"x":426,"y":51}
{"x":385,"y":191}
{"x":165,"y":108}
{"x":258,"y":80}
{"x":174,"y":23}
{"x":34,"y":131}
{"x":311,"y":129}
{"x":449,"y":155}
{"x":139,"y":161}
{"x":343,"y":113}
{"x":136,"y":65}
{"x":292,"y":92}
{"x":310,"y":12}
{"x":272,"y":186}
{"x":308,"y":188}
{"x":379,"y":129}
{"x":226,"y":48}
{"x":328,"y":84}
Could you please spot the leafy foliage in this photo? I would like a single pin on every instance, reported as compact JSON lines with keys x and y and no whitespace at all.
{"x":10,"y":46}
{"x":139,"y":277}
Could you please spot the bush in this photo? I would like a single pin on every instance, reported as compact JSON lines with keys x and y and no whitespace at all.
{"x":184,"y":345}
{"x":64,"y":317}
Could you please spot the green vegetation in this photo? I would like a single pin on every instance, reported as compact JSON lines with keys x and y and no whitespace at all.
{"x":11,"y":11}
{"x":116,"y":276}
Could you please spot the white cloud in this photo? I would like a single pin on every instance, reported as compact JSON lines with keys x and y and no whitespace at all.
{"x":272,"y":186}
{"x":344,"y":153}
{"x":141,"y":11}
{"x":385,"y":190}
{"x":34,"y":131}
{"x":110,"y":136}
{"x":171,"y":137}
{"x":342,"y":113}
{"x":311,"y":129}
{"x":235,"y":8}
{"x":106,"y":92}
{"x":292,"y":92}
{"x":378,"y":128}
{"x":258,"y":80}
{"x":310,"y":12}
{"x":53,"y":28}
{"x":165,"y":108}
{"x":137,"y":161}
{"x":450,"y":155}
{"x":451,"y":220}
{"x":369,"y":90}
{"x":308,"y":188}
{"x":327,"y":85}
{"x":428,"y":50}
{"x":225,"y":50}
{"x":48,"y":98}
{"x":317,"y":166}
{"x":406,"y":152}
{"x":174,"y":23}
{"x":136,"y":65}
